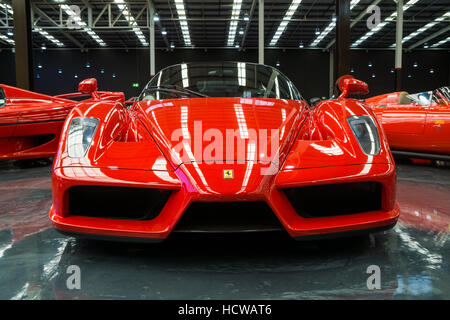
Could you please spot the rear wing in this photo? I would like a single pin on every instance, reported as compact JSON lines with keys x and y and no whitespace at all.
{"x":13,"y":93}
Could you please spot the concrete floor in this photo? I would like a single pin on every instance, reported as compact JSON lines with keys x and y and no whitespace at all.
{"x":413,"y":257}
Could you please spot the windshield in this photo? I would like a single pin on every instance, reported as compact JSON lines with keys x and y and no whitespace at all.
{"x":225,"y":79}
{"x":442,"y":95}
{"x":2,"y":97}
{"x":438,"y":96}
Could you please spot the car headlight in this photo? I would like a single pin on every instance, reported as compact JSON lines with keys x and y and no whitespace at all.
{"x":79,"y":138}
{"x":366,"y":133}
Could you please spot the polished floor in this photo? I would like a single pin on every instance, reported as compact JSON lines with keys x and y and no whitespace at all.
{"x":413,"y":257}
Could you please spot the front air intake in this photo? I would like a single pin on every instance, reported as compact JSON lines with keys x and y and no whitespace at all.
{"x":335,"y":199}
{"x":116,"y":202}
{"x":222,"y":217}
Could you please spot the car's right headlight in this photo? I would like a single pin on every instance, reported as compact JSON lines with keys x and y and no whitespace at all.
{"x":79,"y":138}
{"x":365,"y":131}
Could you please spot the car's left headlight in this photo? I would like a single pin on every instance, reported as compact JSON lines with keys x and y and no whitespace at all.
{"x":79,"y":138}
{"x":365,"y":131}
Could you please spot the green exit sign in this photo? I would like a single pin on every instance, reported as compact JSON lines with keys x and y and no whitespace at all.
{"x":135,"y":85}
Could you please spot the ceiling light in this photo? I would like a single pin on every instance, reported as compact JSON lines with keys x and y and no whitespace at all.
{"x":235,"y":13}
{"x":381,"y":25}
{"x":425,"y":27}
{"x":286,"y":19}
{"x":163,"y":32}
{"x":83,"y":25}
{"x":48,"y":36}
{"x":330,"y":26}
{"x":179,"y":4}
{"x":301,"y":45}
{"x":131,"y":21}
{"x":7,"y":8}
{"x":6,"y":39}
{"x":440,"y":43}
{"x":156,"y":17}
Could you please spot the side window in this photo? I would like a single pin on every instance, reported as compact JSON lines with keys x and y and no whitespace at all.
{"x":2,"y":97}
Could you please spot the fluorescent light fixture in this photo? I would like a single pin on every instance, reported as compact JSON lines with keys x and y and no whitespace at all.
{"x":123,"y":7}
{"x":7,"y":8}
{"x":49,"y":37}
{"x":235,"y":13}
{"x":381,"y":25}
{"x":6,"y":39}
{"x":425,"y":27}
{"x":440,"y":43}
{"x":331,"y":26}
{"x":83,"y":25}
{"x":181,"y":11}
{"x":286,"y":19}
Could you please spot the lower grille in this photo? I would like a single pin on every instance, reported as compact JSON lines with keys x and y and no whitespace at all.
{"x":335,"y":199}
{"x":117,"y":202}
{"x":224,"y":217}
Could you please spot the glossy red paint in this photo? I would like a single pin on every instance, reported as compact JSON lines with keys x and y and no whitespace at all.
{"x":349,"y":85}
{"x":137,"y":147}
{"x":31,"y":123}
{"x":413,"y":127}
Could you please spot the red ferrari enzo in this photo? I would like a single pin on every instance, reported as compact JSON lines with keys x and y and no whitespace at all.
{"x":223,"y":147}
{"x":31,"y":123}
{"x":416,"y":125}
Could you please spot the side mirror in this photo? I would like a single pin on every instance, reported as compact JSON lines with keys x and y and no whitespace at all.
{"x":349,"y":85}
{"x":89,"y":86}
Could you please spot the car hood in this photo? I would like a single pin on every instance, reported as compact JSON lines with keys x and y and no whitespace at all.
{"x":221,"y":129}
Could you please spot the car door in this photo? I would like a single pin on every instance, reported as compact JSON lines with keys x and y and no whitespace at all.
{"x":404,"y":125}
{"x":437,"y":129}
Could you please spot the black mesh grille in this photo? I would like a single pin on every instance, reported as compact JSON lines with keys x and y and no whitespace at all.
{"x":42,"y":139}
{"x":117,"y":202}
{"x":335,"y":199}
{"x":228,"y":217}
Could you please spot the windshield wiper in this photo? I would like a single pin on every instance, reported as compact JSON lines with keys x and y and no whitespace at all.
{"x":176,"y":88}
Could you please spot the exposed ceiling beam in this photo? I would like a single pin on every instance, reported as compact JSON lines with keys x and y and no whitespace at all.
{"x":355,"y":21}
{"x":43,"y":15}
{"x":252,"y":11}
{"x":430,"y":37}
{"x":100,"y":15}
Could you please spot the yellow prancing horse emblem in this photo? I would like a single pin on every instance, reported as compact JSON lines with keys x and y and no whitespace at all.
{"x":228,"y":174}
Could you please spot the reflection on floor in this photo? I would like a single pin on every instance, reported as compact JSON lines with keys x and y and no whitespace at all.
{"x":413,"y":257}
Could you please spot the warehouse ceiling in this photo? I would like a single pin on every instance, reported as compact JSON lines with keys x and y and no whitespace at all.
{"x":227,"y":23}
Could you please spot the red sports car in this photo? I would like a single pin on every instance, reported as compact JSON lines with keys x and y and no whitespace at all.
{"x":416,"y":125}
{"x":223,"y":147}
{"x":31,"y":123}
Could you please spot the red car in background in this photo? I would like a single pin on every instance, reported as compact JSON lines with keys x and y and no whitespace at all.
{"x":417,"y":125}
{"x":31,"y":123}
{"x":223,"y":147}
